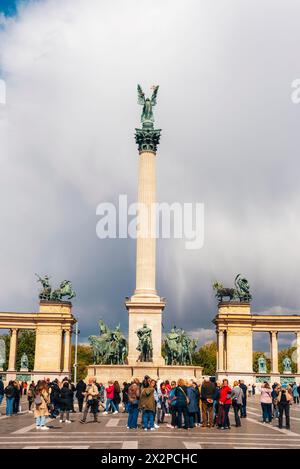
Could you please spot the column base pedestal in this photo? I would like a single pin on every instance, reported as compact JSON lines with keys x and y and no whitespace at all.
{"x":105,"y":373}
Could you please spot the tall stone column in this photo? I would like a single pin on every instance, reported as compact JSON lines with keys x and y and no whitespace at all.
{"x":298,"y":350}
{"x":146,"y":219}
{"x":145,"y":306}
{"x":13,"y":350}
{"x":274,"y":351}
{"x":67,"y":351}
{"x":220,"y":350}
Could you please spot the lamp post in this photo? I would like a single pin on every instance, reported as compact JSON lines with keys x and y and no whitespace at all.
{"x":77,"y":332}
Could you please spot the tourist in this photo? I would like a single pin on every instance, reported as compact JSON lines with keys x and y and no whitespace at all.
{"x":147,"y":405}
{"x":244,"y":404}
{"x":125,"y":396}
{"x":198,"y":413}
{"x":101,"y":396}
{"x":54,"y":390}
{"x":173,"y":406}
{"x":133,"y":404}
{"x":237,"y":402}
{"x":41,"y":402}
{"x":266,"y":402}
{"x":182,"y":403}
{"x":208,"y":389}
{"x":163,"y":399}
{"x":274,"y":395}
{"x":225,"y":403}
{"x":295,"y":393}
{"x":253,"y":389}
{"x":110,"y":392}
{"x":91,"y":400}
{"x":216,"y":406}
{"x":117,"y":396}
{"x":17,"y":397}
{"x":1,"y":390}
{"x":9,"y":392}
{"x":168,"y":389}
{"x":153,"y":384}
{"x":25,"y":386}
{"x":284,"y":402}
{"x":249,"y":390}
{"x":193,"y":404}
{"x":65,"y":402}
{"x":30,"y":397}
{"x":80,"y":389}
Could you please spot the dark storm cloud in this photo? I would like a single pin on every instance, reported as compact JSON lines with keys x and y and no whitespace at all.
{"x":230,"y":140}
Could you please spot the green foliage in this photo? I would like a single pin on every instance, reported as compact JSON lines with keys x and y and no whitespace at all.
{"x":26,"y":344}
{"x":256,"y":356}
{"x":206,"y":356}
{"x":6,"y":338}
{"x":84,"y":358}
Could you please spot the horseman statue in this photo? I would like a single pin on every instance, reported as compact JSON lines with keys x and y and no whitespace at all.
{"x":179,"y":347}
{"x":145,"y":343}
{"x":241,"y":291}
{"x":110,"y":348}
{"x":65,"y":290}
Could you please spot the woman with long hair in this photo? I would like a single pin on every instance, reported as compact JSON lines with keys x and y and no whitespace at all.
{"x":117,"y":397}
{"x":225,"y":402}
{"x":266,"y":402}
{"x":41,"y":402}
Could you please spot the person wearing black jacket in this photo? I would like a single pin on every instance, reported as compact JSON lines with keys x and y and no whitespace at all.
{"x":17,"y":397}
{"x":182,"y":403}
{"x":1,"y":390}
{"x":244,"y":404}
{"x":9,"y":392}
{"x":80,"y":389}
{"x":54,"y":398}
{"x":65,"y":402}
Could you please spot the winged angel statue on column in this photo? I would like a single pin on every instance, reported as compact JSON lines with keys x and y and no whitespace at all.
{"x":147,"y":113}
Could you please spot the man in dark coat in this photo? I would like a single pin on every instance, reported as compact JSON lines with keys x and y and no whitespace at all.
{"x":80,"y":389}
{"x":244,"y":404}
{"x":1,"y":390}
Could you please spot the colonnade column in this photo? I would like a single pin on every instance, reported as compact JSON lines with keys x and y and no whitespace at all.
{"x":298,"y":350}
{"x":220,"y":364}
{"x":13,"y":350}
{"x":274,"y":351}
{"x":67,"y":351}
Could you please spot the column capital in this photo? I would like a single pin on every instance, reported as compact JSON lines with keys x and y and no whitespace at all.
{"x":147,"y":138}
{"x":273,"y":332}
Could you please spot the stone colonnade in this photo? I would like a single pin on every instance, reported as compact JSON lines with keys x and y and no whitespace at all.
{"x":53,"y":326}
{"x":235,"y":326}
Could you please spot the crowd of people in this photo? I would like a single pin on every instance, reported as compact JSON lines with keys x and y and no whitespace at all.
{"x":188,"y":404}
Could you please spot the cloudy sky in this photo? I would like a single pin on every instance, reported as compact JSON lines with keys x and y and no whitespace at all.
{"x":230,"y":139}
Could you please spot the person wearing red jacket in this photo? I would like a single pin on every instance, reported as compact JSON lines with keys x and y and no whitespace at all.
{"x":110,"y":392}
{"x":225,"y":402}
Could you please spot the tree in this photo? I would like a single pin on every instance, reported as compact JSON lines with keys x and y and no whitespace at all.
{"x":206,"y":356}
{"x":84,"y":358}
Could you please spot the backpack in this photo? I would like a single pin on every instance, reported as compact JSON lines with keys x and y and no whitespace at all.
{"x":38,"y":400}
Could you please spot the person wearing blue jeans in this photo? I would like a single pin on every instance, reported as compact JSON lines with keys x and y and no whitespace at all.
{"x":9,"y":405}
{"x":267,"y":412}
{"x":110,"y":402}
{"x":148,"y":419}
{"x":133,"y":413}
{"x":40,"y":421}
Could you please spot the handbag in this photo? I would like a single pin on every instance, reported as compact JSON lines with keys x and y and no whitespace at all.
{"x":186,"y":397}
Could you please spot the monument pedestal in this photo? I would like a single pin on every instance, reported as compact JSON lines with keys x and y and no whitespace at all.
{"x":142,"y":311}
{"x":105,"y":373}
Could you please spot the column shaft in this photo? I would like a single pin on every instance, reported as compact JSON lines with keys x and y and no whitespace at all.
{"x":67,"y":351}
{"x":298,"y":350}
{"x":220,"y":350}
{"x":146,"y":226}
{"x":13,"y":350}
{"x":274,"y":352}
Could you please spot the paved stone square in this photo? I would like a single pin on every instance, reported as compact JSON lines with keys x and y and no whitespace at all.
{"x":19,"y":432}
